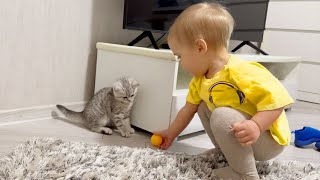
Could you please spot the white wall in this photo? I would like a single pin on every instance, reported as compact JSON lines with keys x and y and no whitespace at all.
{"x":47,"y":48}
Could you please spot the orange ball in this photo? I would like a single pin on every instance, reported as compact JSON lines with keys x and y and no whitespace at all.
{"x":156,"y":140}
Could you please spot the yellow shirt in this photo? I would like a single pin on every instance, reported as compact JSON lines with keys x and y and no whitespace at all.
{"x":261,"y":91}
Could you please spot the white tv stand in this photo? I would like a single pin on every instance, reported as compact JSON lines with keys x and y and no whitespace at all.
{"x":163,"y":85}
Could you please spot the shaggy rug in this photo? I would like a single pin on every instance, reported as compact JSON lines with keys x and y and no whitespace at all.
{"x":48,"y":158}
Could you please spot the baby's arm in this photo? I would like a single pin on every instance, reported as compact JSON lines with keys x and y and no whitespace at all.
{"x":181,"y":121}
{"x":264,"y":119}
{"x":248,"y":132}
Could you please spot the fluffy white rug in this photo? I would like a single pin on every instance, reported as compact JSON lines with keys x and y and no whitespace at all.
{"x":48,"y":158}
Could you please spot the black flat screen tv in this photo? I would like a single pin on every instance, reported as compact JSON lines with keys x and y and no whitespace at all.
{"x":158,"y":15}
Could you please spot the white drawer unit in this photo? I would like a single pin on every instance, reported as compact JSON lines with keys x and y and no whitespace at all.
{"x":293,"y":28}
{"x":154,"y":70}
{"x":163,"y":85}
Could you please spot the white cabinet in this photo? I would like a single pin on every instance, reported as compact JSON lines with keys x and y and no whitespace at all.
{"x":154,"y":70}
{"x":161,"y":94}
{"x":163,"y":85}
{"x":293,"y":29}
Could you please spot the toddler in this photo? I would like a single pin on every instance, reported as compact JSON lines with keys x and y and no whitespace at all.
{"x":240,"y":103}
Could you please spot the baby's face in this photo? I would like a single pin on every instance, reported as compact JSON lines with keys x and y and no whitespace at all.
{"x":190,"y":60}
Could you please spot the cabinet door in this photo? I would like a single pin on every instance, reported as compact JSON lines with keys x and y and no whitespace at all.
{"x":309,"y":82}
{"x":294,"y":15}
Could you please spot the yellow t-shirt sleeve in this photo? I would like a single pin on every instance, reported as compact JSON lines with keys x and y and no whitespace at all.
{"x":261,"y":87}
{"x":193,"y":96}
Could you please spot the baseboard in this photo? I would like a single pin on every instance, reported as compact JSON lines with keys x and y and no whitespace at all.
{"x":37,"y":113}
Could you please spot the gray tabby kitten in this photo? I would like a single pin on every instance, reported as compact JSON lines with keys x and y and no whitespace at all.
{"x":110,"y":107}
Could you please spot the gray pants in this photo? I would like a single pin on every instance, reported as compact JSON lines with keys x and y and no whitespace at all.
{"x":241,"y":159}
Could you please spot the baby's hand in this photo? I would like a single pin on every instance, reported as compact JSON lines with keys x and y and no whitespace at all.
{"x":247,"y":132}
{"x":166,"y":137}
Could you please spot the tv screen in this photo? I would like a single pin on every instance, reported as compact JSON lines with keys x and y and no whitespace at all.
{"x":158,"y":15}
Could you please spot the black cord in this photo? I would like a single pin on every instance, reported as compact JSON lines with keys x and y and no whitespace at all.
{"x":158,"y":39}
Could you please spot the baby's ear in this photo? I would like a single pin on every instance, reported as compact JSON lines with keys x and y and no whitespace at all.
{"x":201,"y":46}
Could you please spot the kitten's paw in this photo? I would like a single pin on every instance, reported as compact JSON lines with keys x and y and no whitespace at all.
{"x":125,"y":134}
{"x":107,"y":131}
{"x":131,"y":130}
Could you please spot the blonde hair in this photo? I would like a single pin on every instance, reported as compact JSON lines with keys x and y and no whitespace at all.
{"x":208,"y":21}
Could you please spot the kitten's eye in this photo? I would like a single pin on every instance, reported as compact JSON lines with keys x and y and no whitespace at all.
{"x":124,"y":97}
{"x":131,"y":95}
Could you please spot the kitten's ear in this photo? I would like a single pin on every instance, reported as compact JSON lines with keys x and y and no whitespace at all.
{"x":135,"y":84}
{"x":117,"y":87}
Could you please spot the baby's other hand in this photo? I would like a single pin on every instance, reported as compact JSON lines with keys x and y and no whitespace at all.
{"x":167,"y":139}
{"x":247,"y":132}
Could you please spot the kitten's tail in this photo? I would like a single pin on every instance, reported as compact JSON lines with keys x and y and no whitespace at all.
{"x":71,"y":115}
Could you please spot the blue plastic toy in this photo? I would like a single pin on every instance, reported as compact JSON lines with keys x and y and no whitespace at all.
{"x":307,"y":135}
{"x":318,"y":145}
